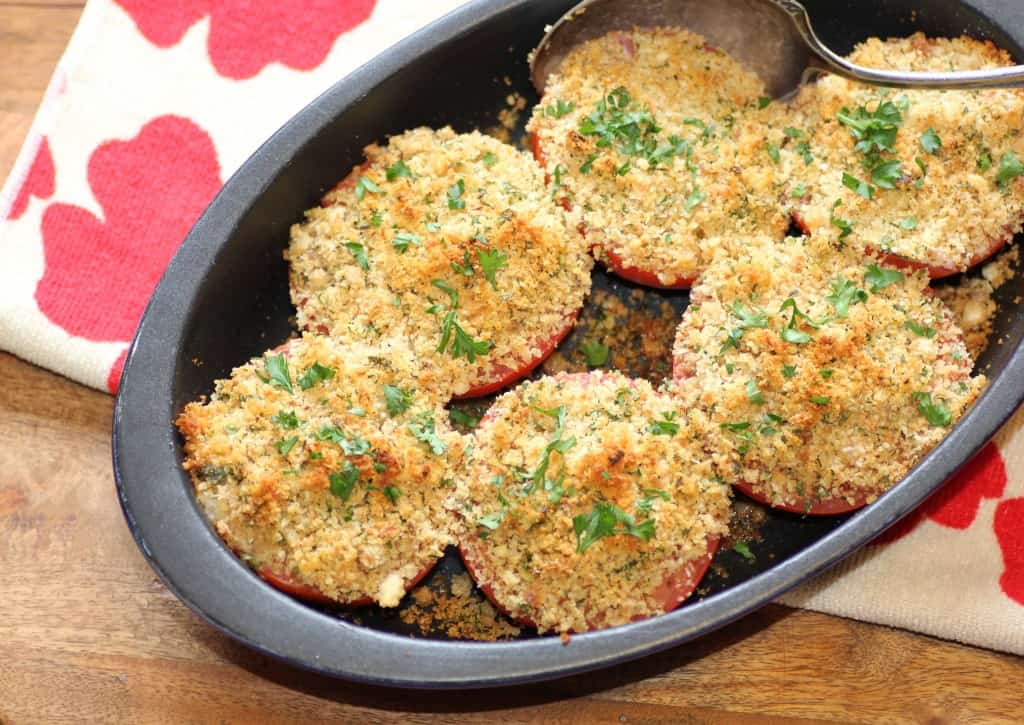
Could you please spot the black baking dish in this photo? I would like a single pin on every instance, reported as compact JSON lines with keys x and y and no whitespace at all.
{"x":224,"y":298}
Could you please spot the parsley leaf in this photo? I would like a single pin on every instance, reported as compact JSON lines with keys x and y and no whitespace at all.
{"x":919,"y":330}
{"x":607,"y":519}
{"x":763,"y":101}
{"x":491,"y":260}
{"x":317,"y":373}
{"x":875,"y":131}
{"x":398,"y":170}
{"x":277,"y":372}
{"x":1010,"y":167}
{"x":930,"y":141}
{"x":402,"y":240}
{"x":936,"y":413}
{"x":886,"y":174}
{"x":422,"y":429}
{"x":342,"y":482}
{"x":845,"y":227}
{"x":559,"y":109}
{"x":397,"y":400}
{"x":392,"y":492}
{"x":908,"y":223}
{"x":754,"y":392}
{"x":463,"y":419}
{"x":844,"y":294}
{"x":861,"y":187}
{"x":881,"y":277}
{"x":285,"y":445}
{"x":799,"y":191}
{"x":489,"y":159}
{"x":455,"y":192}
{"x":694,"y":199}
{"x":286,"y":419}
{"x":819,"y":399}
{"x":588,"y":163}
{"x":667,"y":426}
{"x":773,"y":152}
{"x":363,"y":185}
{"x":596,"y":353}
{"x":795,"y":336}
{"x":359,"y":252}
{"x":743,"y":550}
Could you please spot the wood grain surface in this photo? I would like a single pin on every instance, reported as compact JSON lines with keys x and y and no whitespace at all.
{"x":88,"y":633}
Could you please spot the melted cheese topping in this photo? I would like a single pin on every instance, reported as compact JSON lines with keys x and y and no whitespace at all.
{"x":712,"y":170}
{"x":322,"y":483}
{"x":837,"y":407}
{"x":524,"y":535}
{"x":437,"y":223}
{"x":947,"y":209}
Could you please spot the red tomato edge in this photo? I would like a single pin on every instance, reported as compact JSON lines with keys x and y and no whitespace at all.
{"x":289,"y":585}
{"x":827,"y":507}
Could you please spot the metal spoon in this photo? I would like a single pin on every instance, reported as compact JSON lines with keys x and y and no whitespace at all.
{"x":773,"y":38}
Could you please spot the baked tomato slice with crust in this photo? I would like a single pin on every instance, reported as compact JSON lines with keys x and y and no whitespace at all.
{"x":672,"y":592}
{"x":826,"y":507}
{"x":293,"y":587}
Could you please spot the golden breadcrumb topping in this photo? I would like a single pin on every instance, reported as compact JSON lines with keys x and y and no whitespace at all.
{"x":450,"y":240}
{"x":585,"y":494}
{"x":648,"y":136}
{"x":931,"y":176}
{"x":972,"y":302}
{"x":824,"y":377}
{"x":328,"y":465}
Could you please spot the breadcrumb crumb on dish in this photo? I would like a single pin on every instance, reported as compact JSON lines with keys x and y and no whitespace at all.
{"x":587,"y":503}
{"x":825,"y":377}
{"x":942,"y":168}
{"x":655,"y":140}
{"x":327,"y":468}
{"x":451,"y":241}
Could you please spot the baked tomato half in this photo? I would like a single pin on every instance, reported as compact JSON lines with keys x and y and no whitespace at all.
{"x":293,"y":587}
{"x":826,"y":507}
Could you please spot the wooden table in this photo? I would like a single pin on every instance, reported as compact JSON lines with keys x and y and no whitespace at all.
{"x":88,"y":633}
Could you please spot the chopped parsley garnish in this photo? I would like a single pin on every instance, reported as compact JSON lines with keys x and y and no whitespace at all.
{"x":277,"y":375}
{"x":799,"y":191}
{"x":422,"y":429}
{"x":984,"y":161}
{"x":763,"y":101}
{"x":936,"y":413}
{"x":453,"y":338}
{"x":748,"y":319}
{"x":844,"y":226}
{"x":773,"y":152}
{"x":1010,"y":167}
{"x":363,"y":185}
{"x":804,"y":149}
{"x":558,"y":109}
{"x":354,"y":446}
{"x":455,"y":192}
{"x":398,"y":170}
{"x":465,"y":268}
{"x":285,"y":445}
{"x":734,"y":426}
{"x":392,"y":492}
{"x":875,"y":131}
{"x":595,"y":353}
{"x":790,"y":333}
{"x":620,"y":123}
{"x":743,"y":550}
{"x":795,"y":336}
{"x":376,"y":220}
{"x":491,"y":521}
{"x":881,"y":277}
{"x":930,"y":141}
{"x":557,"y":444}
{"x":286,"y":419}
{"x":315,"y":374}
{"x":792,"y":132}
{"x":359,"y":252}
{"x":586,"y":165}
{"x":666,"y":426}
{"x":788,"y":371}
{"x":753,"y":392}
{"x":819,"y":399}
{"x":607,"y":519}
{"x":342,"y":482}
{"x":861,"y":187}
{"x":826,"y":373}
{"x":919,"y":330}
{"x":886,"y":174}
{"x":402,"y":240}
{"x":464,"y":419}
{"x":844,"y":294}
{"x":489,"y":159}
{"x":908,"y":223}
{"x":397,"y":400}
{"x":694,"y":199}
{"x":491,"y":260}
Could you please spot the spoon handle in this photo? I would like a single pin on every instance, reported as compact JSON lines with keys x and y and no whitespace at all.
{"x":1006,"y":77}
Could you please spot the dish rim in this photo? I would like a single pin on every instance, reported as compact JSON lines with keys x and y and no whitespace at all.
{"x":177,"y":542}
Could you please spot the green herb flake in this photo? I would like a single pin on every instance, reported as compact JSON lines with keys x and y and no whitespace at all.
{"x":359,"y":252}
{"x":773,"y":152}
{"x":763,"y":101}
{"x":342,"y":482}
{"x":397,"y":400}
{"x":286,"y":419}
{"x":595,"y":353}
{"x":919,"y":330}
{"x":463,"y":419}
{"x":887,"y":174}
{"x":1010,"y":167}
{"x":860,"y":187}
{"x":799,"y":191}
{"x":285,"y":445}
{"x":607,"y":519}
{"x":743,"y":550}
{"x":819,"y":399}
{"x":908,"y":223}
{"x":422,"y":429}
{"x":491,"y":260}
{"x":935,"y":412}
{"x":788,"y":371}
{"x":455,"y":192}
{"x":402,"y":240}
{"x":277,"y":376}
{"x":881,"y":277}
{"x":314,"y":375}
{"x":558,"y":109}
{"x":365,"y":184}
{"x":694,"y":199}
{"x":398,"y":170}
{"x":489,"y":159}
{"x":666,"y":426}
{"x":392,"y":492}
{"x":930,"y":141}
{"x":844,"y":293}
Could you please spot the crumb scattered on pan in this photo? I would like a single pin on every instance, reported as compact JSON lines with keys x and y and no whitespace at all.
{"x":458,"y":612}
{"x":971,"y":299}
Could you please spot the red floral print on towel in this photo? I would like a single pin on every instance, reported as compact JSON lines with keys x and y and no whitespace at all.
{"x":245,"y":36}
{"x":1008,"y":524}
{"x":38,"y":183}
{"x":956,"y":504}
{"x":100,"y":273}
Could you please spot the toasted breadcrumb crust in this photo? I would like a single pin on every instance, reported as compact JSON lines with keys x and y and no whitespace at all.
{"x":947,"y":210}
{"x":520,"y":531}
{"x":834,"y":412}
{"x":262,"y":460}
{"x":972,"y":302}
{"x":425,"y":208}
{"x":719,"y":177}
